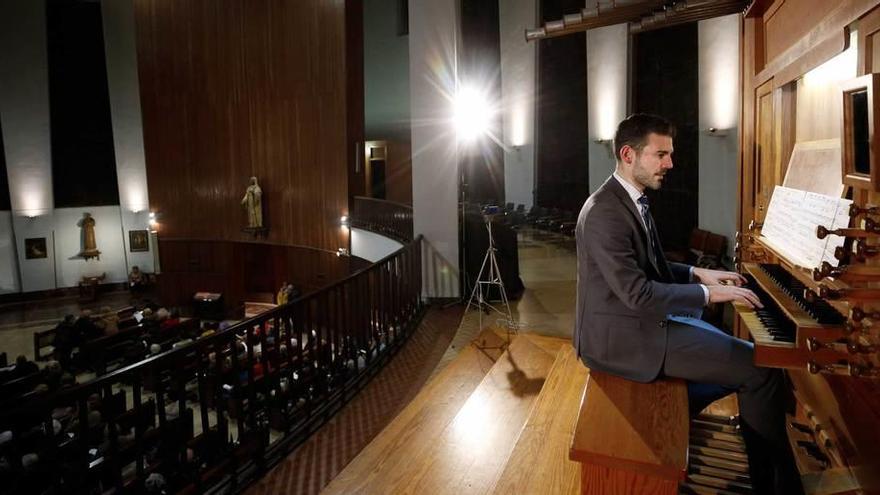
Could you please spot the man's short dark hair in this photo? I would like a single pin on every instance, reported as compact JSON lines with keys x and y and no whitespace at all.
{"x":634,"y":130}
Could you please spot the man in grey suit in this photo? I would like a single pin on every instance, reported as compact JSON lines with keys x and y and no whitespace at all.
{"x":637,"y":313}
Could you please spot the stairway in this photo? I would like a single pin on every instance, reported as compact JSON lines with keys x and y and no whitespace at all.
{"x":503,"y":428}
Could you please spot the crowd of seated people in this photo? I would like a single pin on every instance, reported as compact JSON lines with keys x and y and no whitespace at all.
{"x":94,"y":341}
{"x":232,"y":380}
{"x":154,"y":330}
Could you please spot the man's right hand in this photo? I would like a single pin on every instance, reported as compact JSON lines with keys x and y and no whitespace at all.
{"x":732,"y":293}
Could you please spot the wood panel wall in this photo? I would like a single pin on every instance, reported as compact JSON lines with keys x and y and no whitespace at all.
{"x":787,"y":21}
{"x":245,"y":271}
{"x":235,"y":88}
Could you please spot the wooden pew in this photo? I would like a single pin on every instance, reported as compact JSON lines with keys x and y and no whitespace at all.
{"x":43,"y":340}
{"x":103,"y":351}
{"x":14,"y":389}
{"x":631,"y":437}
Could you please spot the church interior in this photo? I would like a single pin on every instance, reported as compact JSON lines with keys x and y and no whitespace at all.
{"x":334,"y":246}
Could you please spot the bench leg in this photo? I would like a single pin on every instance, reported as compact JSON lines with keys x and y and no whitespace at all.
{"x":601,"y":480}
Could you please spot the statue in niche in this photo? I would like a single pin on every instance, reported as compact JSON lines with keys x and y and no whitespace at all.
{"x":87,"y":234}
{"x":253,"y":203}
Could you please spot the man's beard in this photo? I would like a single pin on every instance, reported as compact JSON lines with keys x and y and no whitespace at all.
{"x":647,"y":179}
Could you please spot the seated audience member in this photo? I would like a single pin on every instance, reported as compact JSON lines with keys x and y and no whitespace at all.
{"x":66,"y":339}
{"x":281,"y":298}
{"x":292,"y":292}
{"x":149,"y":321}
{"x":86,"y":326}
{"x":136,"y":279}
{"x":23,"y":367}
{"x":109,"y":321}
{"x":67,"y":381}
{"x":155,"y":483}
{"x":52,"y":374}
{"x":171,"y":321}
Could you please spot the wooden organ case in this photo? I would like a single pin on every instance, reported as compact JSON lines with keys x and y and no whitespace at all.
{"x":809,"y":73}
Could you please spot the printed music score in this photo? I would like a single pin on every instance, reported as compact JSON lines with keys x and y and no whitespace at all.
{"x":791,"y":221}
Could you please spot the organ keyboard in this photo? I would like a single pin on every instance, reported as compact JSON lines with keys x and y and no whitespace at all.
{"x":788,"y":320}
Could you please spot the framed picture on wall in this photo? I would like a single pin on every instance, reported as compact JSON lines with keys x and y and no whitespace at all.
{"x":138,"y":241}
{"x":35,"y":248}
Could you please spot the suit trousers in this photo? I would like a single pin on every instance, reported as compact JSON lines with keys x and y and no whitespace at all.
{"x":716,"y":364}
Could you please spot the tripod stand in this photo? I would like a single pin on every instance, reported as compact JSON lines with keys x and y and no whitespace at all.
{"x":493,"y":278}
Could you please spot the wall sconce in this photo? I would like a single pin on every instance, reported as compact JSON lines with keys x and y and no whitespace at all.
{"x":715,"y":132}
{"x":342,"y":252}
{"x":609,"y":146}
{"x":153,"y":220}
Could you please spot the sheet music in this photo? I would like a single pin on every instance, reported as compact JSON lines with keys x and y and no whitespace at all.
{"x":791,"y":221}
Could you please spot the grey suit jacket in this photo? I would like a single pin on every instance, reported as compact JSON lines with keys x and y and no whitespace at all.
{"x":623,"y":298}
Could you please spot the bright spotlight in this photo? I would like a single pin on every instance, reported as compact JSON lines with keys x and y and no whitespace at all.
{"x":472,"y":114}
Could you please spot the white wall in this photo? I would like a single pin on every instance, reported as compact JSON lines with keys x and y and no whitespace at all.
{"x":370,"y":246}
{"x":517,"y":97}
{"x":433,"y":26}
{"x":125,"y":106}
{"x":63,"y":267}
{"x":8,"y":264}
{"x":607,"y":90}
{"x":128,"y":134}
{"x":719,"y":108}
{"x":68,"y":244}
{"x":36,"y":274}
{"x":24,"y":105}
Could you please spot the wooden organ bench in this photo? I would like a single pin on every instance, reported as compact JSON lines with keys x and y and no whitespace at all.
{"x":631,"y":437}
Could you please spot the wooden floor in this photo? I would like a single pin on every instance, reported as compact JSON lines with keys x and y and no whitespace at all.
{"x":508,"y":433}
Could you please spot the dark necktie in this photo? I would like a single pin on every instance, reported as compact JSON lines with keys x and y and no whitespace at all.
{"x":652,"y":231}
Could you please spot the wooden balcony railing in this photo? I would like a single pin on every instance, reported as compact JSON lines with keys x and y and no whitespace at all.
{"x":219,"y":411}
{"x":394,"y":220}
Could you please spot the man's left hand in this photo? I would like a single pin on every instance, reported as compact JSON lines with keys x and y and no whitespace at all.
{"x":717,"y":277}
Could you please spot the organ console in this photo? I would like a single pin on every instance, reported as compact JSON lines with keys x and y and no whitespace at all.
{"x":821,"y":320}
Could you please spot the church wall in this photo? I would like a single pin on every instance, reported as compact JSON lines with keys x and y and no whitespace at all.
{"x":37,"y":273}
{"x":518,"y":100}
{"x":607,"y":90}
{"x":24,"y":106}
{"x":386,"y":73}
{"x":24,"y":110}
{"x":70,"y":267}
{"x":719,"y":108}
{"x":249,"y":89}
{"x":8,"y":267}
{"x":432,"y":69}
{"x":128,"y":136}
{"x":370,"y":246}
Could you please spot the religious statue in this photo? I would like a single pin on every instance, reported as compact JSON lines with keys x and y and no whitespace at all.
{"x":89,"y":244}
{"x":253,"y":203}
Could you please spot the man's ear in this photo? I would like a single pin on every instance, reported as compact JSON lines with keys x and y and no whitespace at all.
{"x":627,"y":154}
